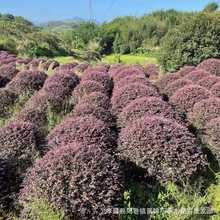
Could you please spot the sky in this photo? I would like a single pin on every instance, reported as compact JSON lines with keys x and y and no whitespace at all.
{"x":102,"y":10}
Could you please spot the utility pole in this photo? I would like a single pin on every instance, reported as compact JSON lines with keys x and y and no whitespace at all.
{"x":90,"y":10}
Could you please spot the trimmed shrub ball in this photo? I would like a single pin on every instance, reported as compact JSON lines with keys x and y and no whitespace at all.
{"x":92,"y":109}
{"x":166,"y":149}
{"x":166,"y":79}
{"x":8,"y":71}
{"x":34,"y":115}
{"x":186,"y":70}
{"x":7,"y":99}
{"x":172,"y":87}
{"x":212,"y":136}
{"x":185,"y":98}
{"x":139,"y":68}
{"x":147,"y":106}
{"x":208,"y":82}
{"x":197,"y":75}
{"x":123,"y":96}
{"x":21,"y":143}
{"x":153,"y":74}
{"x":100,"y":77}
{"x":215,"y":90}
{"x":88,"y":130}
{"x":87,"y":87}
{"x":56,"y":89}
{"x":82,"y":181}
{"x":211,"y":65}
{"x":132,"y":79}
{"x":114,"y":71}
{"x":204,"y":111}
{"x":30,"y":80}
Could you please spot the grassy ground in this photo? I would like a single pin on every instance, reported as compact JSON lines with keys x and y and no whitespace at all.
{"x":68,"y":59}
{"x":129,"y":59}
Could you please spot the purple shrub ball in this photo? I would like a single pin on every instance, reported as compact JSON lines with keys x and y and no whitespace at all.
{"x":139,"y":68}
{"x":125,"y":95}
{"x":88,"y":130}
{"x":114,"y":71}
{"x":8,"y":71}
{"x":197,"y":75}
{"x":211,"y":136}
{"x":172,"y":87}
{"x":147,"y":106}
{"x":27,"y":81}
{"x":208,"y":82}
{"x":82,"y":181}
{"x":97,"y":98}
{"x":185,"y":98}
{"x":186,"y":70}
{"x":152,"y":71}
{"x":215,"y":90}
{"x":166,"y":79}
{"x":211,"y":65}
{"x":204,"y":111}
{"x":85,"y":109}
{"x":21,"y":142}
{"x":164,"y":148}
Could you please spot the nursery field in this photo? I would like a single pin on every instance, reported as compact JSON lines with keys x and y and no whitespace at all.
{"x":113,"y":141}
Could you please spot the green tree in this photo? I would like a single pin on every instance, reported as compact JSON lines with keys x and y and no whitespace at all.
{"x":213,"y":6}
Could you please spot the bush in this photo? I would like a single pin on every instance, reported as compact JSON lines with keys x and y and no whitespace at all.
{"x":197,"y":75}
{"x":117,"y":69}
{"x":88,"y":130}
{"x":97,"y":98}
{"x":82,"y":181}
{"x":166,"y":79}
{"x":165,"y":149}
{"x":50,"y":64}
{"x":123,"y":96}
{"x":86,"y":109}
{"x":204,"y":111}
{"x":212,"y":135}
{"x":8,"y":71}
{"x":67,"y":66}
{"x":195,"y":39}
{"x":3,"y":81}
{"x":186,"y":70}
{"x":216,"y":90}
{"x":185,"y":98}
{"x":147,"y":106}
{"x":208,"y":82}
{"x":27,"y":81}
{"x":172,"y":87}
{"x":211,"y":65}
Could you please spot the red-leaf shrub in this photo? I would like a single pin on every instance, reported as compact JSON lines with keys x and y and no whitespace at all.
{"x":66,"y":66}
{"x":27,"y":81}
{"x":8,"y":71}
{"x":211,"y":136}
{"x":34,"y":115}
{"x":82,"y":181}
{"x":139,"y":68}
{"x":97,"y":98}
{"x":123,"y":96}
{"x":185,"y":98}
{"x":208,"y":82}
{"x":21,"y":143}
{"x":215,"y":90}
{"x":163,"y":147}
{"x":197,"y":75}
{"x":186,"y":70}
{"x":172,"y":87}
{"x":56,"y":89}
{"x":80,"y":68}
{"x":152,"y":71}
{"x":87,"y":87}
{"x":117,"y":69}
{"x":166,"y":79}
{"x":132,"y":79}
{"x":204,"y":111}
{"x":84,"y":109}
{"x":88,"y":130}
{"x":147,"y":106}
{"x":211,"y":65}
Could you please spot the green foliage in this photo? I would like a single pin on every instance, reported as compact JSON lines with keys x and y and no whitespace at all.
{"x":194,"y":40}
{"x":212,"y":6}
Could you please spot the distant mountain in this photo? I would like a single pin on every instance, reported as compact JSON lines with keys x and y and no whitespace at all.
{"x":79,"y":19}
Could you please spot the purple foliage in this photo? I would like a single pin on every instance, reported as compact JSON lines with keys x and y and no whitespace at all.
{"x":185,"y":98}
{"x":67,"y":66}
{"x":147,"y":106}
{"x":117,"y":69}
{"x":8,"y":71}
{"x":166,"y":149}
{"x":211,"y":65}
{"x":123,"y":96}
{"x":35,"y":63}
{"x":82,"y":181}
{"x":186,"y":70}
{"x":172,"y":87}
{"x":152,"y":71}
{"x":197,"y":75}
{"x":204,"y":111}
{"x":215,"y":90}
{"x":208,"y":82}
{"x":88,"y":130}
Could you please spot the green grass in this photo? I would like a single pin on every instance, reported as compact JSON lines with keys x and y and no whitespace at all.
{"x":63,"y":60}
{"x":129,"y":59}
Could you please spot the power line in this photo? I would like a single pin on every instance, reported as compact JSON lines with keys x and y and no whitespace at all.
{"x":109,"y":9}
